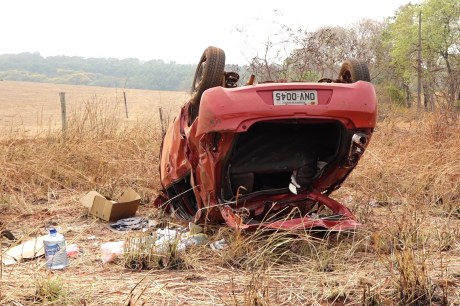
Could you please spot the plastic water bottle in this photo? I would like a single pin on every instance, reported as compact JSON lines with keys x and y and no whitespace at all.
{"x":55,"y":251}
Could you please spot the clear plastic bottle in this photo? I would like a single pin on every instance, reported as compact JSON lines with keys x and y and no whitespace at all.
{"x":55,"y":250}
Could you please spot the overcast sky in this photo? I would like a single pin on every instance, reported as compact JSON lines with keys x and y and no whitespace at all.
{"x":171,"y":30}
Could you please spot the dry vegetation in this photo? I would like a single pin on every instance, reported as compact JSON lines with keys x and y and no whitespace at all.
{"x":405,"y":191}
{"x":34,"y":108}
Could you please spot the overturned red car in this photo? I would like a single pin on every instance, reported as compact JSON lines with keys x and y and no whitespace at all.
{"x":266,"y":155}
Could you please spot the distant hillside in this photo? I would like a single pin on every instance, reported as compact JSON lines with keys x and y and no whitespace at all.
{"x":111,"y":72}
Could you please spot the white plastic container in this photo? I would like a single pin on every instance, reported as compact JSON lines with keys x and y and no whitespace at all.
{"x":55,"y":251}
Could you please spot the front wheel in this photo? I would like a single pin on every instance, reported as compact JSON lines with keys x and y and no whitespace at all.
{"x":354,"y":70}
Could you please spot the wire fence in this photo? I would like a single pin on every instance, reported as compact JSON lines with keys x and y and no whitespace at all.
{"x":33,"y":107}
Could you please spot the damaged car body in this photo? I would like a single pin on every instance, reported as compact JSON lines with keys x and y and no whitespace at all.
{"x":266,"y":155}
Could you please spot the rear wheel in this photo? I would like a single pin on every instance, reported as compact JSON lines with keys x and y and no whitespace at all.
{"x":354,"y":70}
{"x":208,"y":74}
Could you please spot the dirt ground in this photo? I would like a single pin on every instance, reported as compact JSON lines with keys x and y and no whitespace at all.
{"x":89,"y":282}
{"x":338,"y":274}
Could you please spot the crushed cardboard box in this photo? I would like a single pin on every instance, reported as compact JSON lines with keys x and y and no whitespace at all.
{"x":109,"y":210}
{"x":28,"y":250}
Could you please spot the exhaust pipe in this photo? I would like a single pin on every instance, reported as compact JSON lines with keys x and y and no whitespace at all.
{"x":357,"y":147}
{"x":359,"y":139}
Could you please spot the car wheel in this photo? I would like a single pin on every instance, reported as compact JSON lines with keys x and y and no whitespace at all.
{"x":209,"y":73}
{"x":354,"y":70}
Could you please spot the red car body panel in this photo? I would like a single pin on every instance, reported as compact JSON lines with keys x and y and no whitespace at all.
{"x":235,"y":109}
{"x":198,"y":158}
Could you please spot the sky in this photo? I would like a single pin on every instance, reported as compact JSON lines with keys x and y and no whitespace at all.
{"x":172,"y":30}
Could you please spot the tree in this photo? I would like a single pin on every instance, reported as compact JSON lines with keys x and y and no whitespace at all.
{"x":439,"y":44}
{"x":321,"y":53}
{"x":401,"y":39}
{"x":367,"y":45}
{"x":111,"y":72}
{"x":266,"y":58}
{"x":441,"y":30}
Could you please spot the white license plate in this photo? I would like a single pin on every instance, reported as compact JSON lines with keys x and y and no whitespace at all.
{"x":295,"y":97}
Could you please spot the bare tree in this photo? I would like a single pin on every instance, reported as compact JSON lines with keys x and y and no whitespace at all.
{"x":267,"y":58}
{"x":322,"y":52}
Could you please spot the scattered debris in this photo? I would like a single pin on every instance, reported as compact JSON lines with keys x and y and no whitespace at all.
{"x":162,"y":241}
{"x":132,"y":224}
{"x":31,"y":249}
{"x":111,"y":250}
{"x":219,"y":245}
{"x":192,"y":240}
{"x":166,"y":239}
{"x":73,"y":250}
{"x":8,"y":235}
{"x":194,"y":229}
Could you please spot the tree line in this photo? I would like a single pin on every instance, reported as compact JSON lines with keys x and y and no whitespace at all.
{"x":111,"y":72}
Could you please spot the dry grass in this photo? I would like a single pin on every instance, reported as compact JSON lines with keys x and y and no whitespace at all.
{"x":31,"y":108}
{"x":405,"y":191}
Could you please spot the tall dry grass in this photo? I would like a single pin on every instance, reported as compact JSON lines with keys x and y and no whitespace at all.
{"x":405,"y":191}
{"x":99,"y":150}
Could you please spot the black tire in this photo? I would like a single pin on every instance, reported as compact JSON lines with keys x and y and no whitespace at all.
{"x":209,"y":73}
{"x":354,"y":70}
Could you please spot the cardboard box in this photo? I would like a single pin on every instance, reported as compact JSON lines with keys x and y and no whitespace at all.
{"x":28,"y":250}
{"x":125,"y":206}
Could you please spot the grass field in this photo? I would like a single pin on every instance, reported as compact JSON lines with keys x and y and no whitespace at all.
{"x":35,"y":107}
{"x":405,"y":191}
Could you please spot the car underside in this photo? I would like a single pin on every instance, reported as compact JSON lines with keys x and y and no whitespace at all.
{"x":266,"y":155}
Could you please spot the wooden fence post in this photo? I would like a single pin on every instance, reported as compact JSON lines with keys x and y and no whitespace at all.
{"x":63,"y":115}
{"x":126,"y":104}
{"x":163,"y":129}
